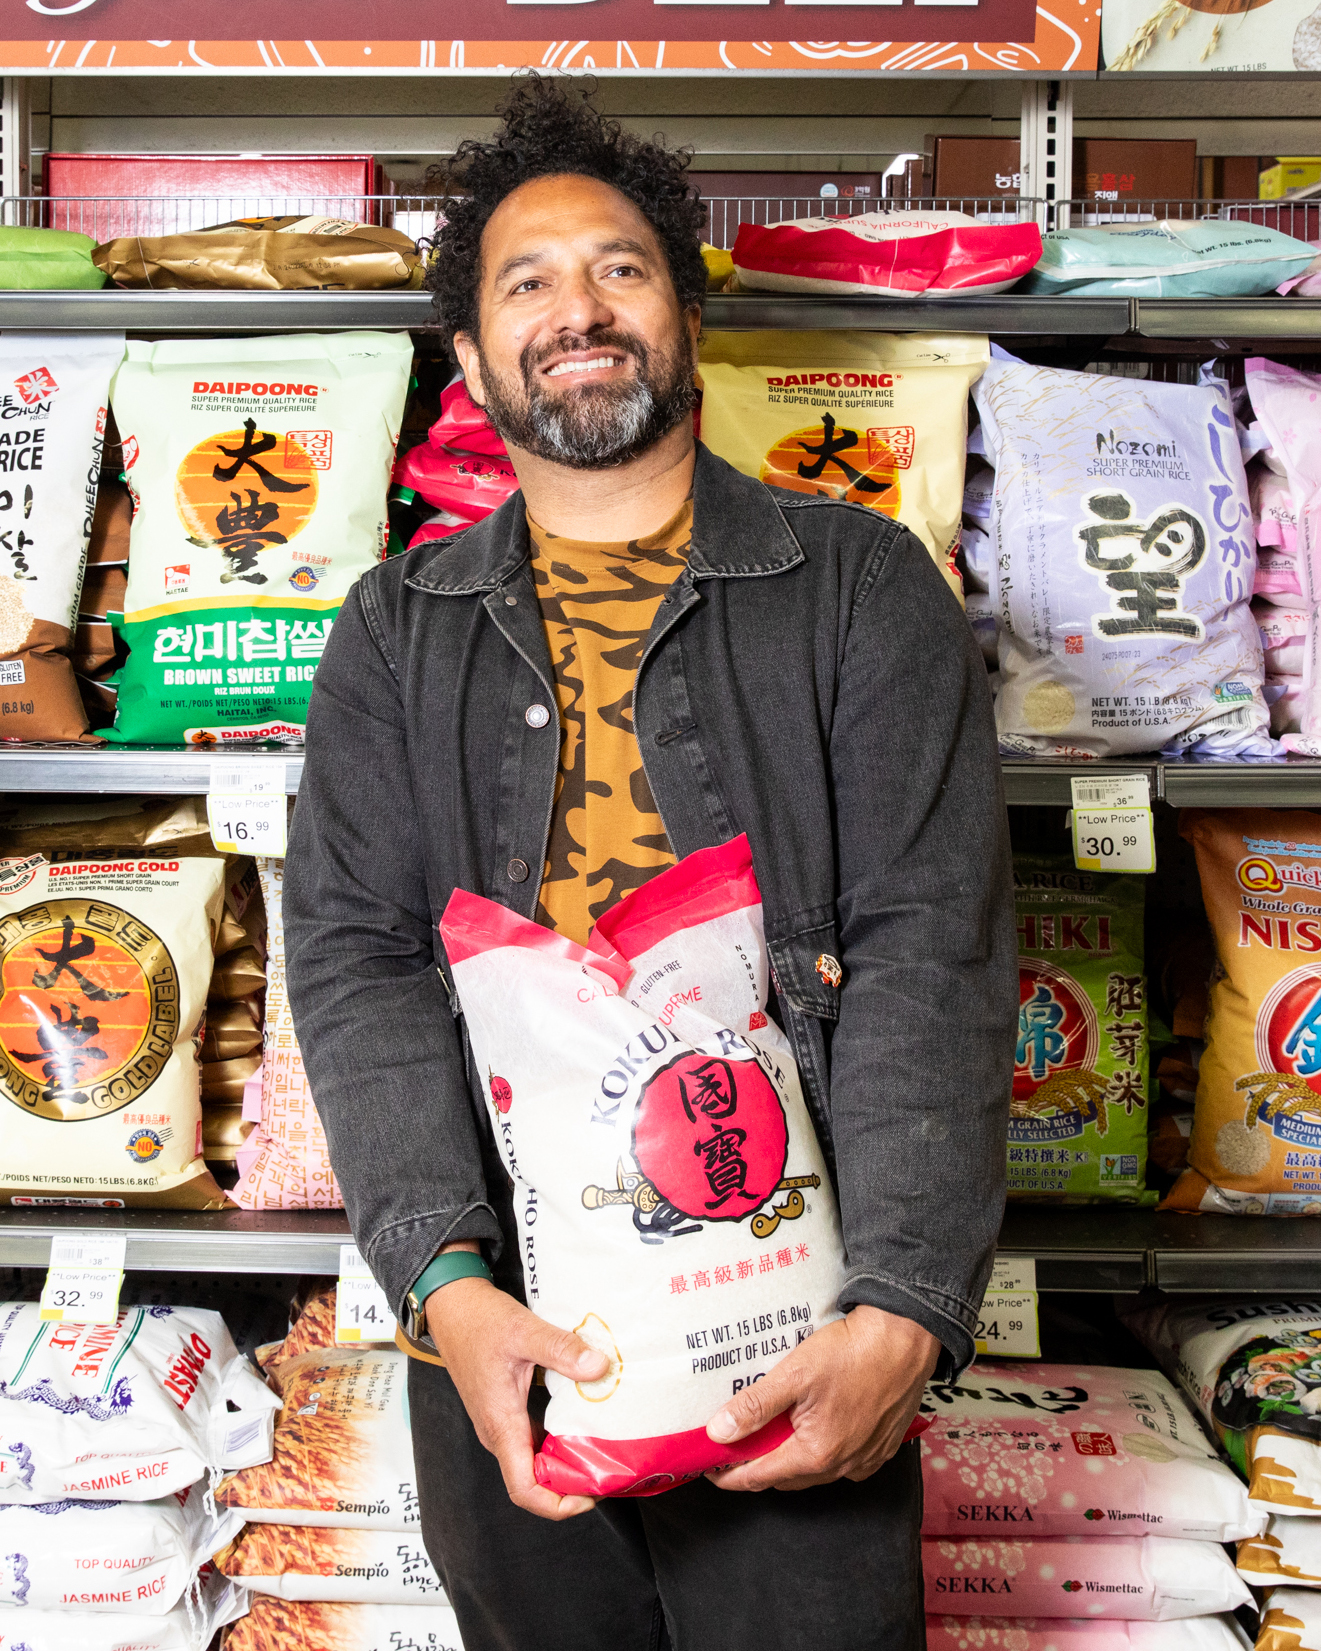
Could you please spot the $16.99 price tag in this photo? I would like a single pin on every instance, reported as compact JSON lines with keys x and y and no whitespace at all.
{"x":1007,"y":1323}
{"x":84,"y":1280}
{"x":361,"y":1311}
{"x":246,"y":808}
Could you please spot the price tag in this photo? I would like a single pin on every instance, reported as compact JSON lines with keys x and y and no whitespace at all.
{"x":1007,"y":1324}
{"x":246,"y":807}
{"x":1111,"y":822}
{"x":86,"y":1272}
{"x":361,"y":1311}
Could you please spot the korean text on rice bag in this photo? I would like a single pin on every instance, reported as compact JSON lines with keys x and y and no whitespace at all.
{"x":278,"y":1625}
{"x":877,"y":419}
{"x":1059,"y":1450}
{"x":259,"y":469}
{"x":1078,"y":1116}
{"x":1124,"y":561}
{"x":190,"y":1626}
{"x":309,"y":1562}
{"x":946,"y":1633}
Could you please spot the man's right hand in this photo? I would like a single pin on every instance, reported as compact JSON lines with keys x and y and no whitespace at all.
{"x":491,"y":1345}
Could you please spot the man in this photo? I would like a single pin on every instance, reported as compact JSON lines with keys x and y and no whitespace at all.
{"x":642,"y":654}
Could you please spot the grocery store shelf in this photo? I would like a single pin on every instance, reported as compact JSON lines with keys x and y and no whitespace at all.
{"x":1044,"y":780}
{"x":1216,"y":318}
{"x":1096,"y":1250}
{"x":1005,"y":315}
{"x":1292,"y":784}
{"x":144,"y":770}
{"x":205,"y":1241}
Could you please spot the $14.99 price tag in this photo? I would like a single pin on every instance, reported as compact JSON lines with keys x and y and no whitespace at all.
{"x":1007,"y":1323}
{"x":361,"y":1311}
{"x":84,"y":1280}
{"x":246,"y":807}
{"x":1112,"y":828}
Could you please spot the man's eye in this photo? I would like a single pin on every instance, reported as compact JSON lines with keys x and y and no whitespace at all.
{"x":530,"y":285}
{"x":624,"y":269}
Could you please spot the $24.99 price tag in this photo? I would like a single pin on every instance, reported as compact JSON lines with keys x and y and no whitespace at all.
{"x":246,"y":807}
{"x":1007,"y":1324}
{"x":84,"y":1280}
{"x":361,"y":1311}
{"x":1112,"y":828}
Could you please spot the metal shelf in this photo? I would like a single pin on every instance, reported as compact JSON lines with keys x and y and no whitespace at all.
{"x":1292,"y":784}
{"x":1097,"y":1250}
{"x":1223,"y":318}
{"x":204,"y":1241}
{"x":141,"y":770}
{"x":1004,"y":315}
{"x":1045,"y":780}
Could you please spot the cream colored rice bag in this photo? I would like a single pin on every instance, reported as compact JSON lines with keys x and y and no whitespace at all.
{"x":1290,"y":1621}
{"x":313,"y":1562}
{"x":1289,"y":1551}
{"x":282,"y":1625}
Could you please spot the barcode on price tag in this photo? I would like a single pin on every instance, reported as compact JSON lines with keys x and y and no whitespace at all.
{"x":84,"y":1279}
{"x":1007,"y":1325}
{"x":251,"y":776}
{"x":361,"y":1311}
{"x":1111,"y":791}
{"x":246,"y":807}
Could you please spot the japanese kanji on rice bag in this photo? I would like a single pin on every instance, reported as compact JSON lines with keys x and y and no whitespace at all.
{"x":673,"y":1205}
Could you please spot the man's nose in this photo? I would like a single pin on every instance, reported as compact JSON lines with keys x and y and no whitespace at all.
{"x":581,"y":305}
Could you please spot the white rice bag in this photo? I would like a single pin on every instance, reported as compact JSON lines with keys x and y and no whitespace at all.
{"x":1283,"y":633}
{"x":1287,"y":403}
{"x":1290,"y":1621}
{"x":283,"y":1625}
{"x":1124,"y":562}
{"x":1288,"y":1553}
{"x":190,"y":1626}
{"x":311,"y":1562}
{"x":1284,"y":695}
{"x":1078,"y":1634}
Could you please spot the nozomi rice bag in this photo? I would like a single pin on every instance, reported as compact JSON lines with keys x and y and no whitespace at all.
{"x":190,"y":1626}
{"x":319,"y":1563}
{"x":638,"y":1092}
{"x":280,"y":1625}
{"x":877,"y":419}
{"x":1290,"y":1621}
{"x":1124,"y":563}
{"x":1078,"y":1634}
{"x":1288,"y":1551}
{"x":1175,"y":258}
{"x":259,"y":469}
{"x":1056,"y":1450}
{"x":124,"y":1412}
{"x":1078,"y":1115}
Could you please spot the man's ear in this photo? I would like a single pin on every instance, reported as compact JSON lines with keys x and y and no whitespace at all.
{"x":470,"y":363}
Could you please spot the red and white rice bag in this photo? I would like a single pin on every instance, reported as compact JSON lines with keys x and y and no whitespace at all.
{"x":674,"y":1208}
{"x":462,"y":468}
{"x":1078,"y":1634}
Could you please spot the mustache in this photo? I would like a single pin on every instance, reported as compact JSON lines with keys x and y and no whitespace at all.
{"x":537,"y":354}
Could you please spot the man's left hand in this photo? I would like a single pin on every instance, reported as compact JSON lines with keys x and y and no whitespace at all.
{"x":851,"y":1390}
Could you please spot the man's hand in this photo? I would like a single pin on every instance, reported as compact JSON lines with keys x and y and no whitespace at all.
{"x":851,"y":1390}
{"x":491,"y":1345}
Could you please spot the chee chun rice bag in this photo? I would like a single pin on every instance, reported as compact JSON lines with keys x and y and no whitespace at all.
{"x":259,"y":469}
{"x":190,"y":1626}
{"x":877,"y":419}
{"x":638,"y":1092}
{"x":1062,"y":1451}
{"x":1078,"y":1115}
{"x":1124,"y":561}
{"x":280,"y":1625}
{"x":124,"y":1412}
{"x":309,"y":1562}
{"x":1078,"y":1634}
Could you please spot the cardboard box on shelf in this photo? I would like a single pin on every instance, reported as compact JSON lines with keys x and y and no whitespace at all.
{"x":1229,"y":177}
{"x":1289,"y":174}
{"x":976,"y":167}
{"x":1134,"y":169}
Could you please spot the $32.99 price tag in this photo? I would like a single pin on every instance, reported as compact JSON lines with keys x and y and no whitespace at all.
{"x":361,"y":1311}
{"x":1112,"y":828}
{"x":246,"y":807}
{"x":1007,"y":1324}
{"x":84,"y":1280}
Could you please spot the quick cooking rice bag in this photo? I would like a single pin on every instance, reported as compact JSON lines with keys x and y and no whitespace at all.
{"x":259,"y":469}
{"x":364,"y":1567}
{"x":1059,"y":1450}
{"x":1256,"y":1141}
{"x":946,"y":1633}
{"x":190,"y":1626}
{"x":279,"y":1625}
{"x":1290,"y":1621}
{"x":877,"y":419}
{"x":1124,"y":563}
{"x":53,"y":391}
{"x":1078,"y":1115}
{"x":638,"y":1093}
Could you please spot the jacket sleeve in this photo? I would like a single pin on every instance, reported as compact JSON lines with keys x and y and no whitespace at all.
{"x":372,"y":1012}
{"x":922,"y":1055}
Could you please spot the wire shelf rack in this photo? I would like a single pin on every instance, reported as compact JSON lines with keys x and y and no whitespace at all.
{"x":1298,"y":217}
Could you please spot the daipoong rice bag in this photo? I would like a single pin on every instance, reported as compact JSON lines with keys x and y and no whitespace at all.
{"x":877,"y":419}
{"x":190,"y":1626}
{"x":104,"y":969}
{"x":279,"y":1625}
{"x":1288,"y":1551}
{"x":640,"y":1096}
{"x":363,"y":1567}
{"x":1290,"y":1621}
{"x":124,"y":1412}
{"x":53,"y":392}
{"x":1056,"y":1450}
{"x":947,"y":1633}
{"x":1078,"y":1116}
{"x":259,"y":469}
{"x":1124,"y":562}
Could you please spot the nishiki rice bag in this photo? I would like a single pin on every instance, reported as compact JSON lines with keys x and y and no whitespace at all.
{"x":673,"y":1204}
{"x":1063,"y":1450}
{"x":259,"y":469}
{"x":1124,"y":559}
{"x":946,"y":1633}
{"x":363,"y":1567}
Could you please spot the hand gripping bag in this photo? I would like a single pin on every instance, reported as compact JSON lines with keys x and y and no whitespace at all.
{"x":673,"y":1204}
{"x":946,"y":1633}
{"x":190,"y":1626}
{"x":282,"y":1625}
{"x":309,"y":1562}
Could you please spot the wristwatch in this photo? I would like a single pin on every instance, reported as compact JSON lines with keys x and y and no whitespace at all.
{"x":443,"y":1270}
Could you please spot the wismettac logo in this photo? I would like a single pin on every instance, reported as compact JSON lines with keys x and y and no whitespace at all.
{"x":239,"y":388}
{"x":836,"y":381}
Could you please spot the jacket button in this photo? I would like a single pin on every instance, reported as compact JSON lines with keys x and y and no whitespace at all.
{"x":518,"y":871}
{"x":511,"y":601}
{"x":536,"y":716}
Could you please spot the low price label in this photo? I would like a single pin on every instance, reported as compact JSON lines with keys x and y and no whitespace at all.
{"x":246,"y":807}
{"x":85,"y":1276}
{"x":1112,"y":826}
{"x":361,"y":1311}
{"x":1007,"y":1324}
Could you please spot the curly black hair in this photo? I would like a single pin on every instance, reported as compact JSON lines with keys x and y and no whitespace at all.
{"x":549,"y":127}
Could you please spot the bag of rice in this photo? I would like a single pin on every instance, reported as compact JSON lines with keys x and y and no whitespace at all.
{"x":53,"y":399}
{"x":1290,"y":1621}
{"x":1079,"y":1634}
{"x":1078,"y":1116}
{"x":278,"y":1625}
{"x":1281,"y":575}
{"x":639,"y":1092}
{"x":104,"y":968}
{"x":343,"y":1453}
{"x":127,"y":1411}
{"x":1174,"y":258}
{"x":1059,"y":1450}
{"x":318,"y":1563}
{"x":33,"y":259}
{"x":872,"y":418}
{"x":259,"y":469}
{"x":1283,"y":633}
{"x":266,"y":254}
{"x":1288,"y":1551}
{"x":190,"y":1626}
{"x":1284,"y":695}
{"x":104,"y":583}
{"x":1124,"y":560}
{"x":137,"y":1557}
{"x":1253,"y":1369}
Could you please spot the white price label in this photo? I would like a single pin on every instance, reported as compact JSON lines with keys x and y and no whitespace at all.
{"x":362,"y":1312}
{"x":1113,"y":839}
{"x":1111,"y":791}
{"x":253,"y":776}
{"x":83,"y":1283}
{"x":244,"y":823}
{"x":1007,"y":1325}
{"x":1013,"y":1273}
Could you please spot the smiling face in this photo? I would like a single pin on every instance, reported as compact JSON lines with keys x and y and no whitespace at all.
{"x":584,"y":357}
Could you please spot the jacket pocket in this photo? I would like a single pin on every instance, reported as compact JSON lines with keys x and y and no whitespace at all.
{"x":807,"y":970}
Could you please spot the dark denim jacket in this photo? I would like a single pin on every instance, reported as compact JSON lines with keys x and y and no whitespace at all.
{"x":810,"y":680}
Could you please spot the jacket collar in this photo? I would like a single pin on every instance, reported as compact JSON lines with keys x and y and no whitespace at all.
{"x":738,"y":533}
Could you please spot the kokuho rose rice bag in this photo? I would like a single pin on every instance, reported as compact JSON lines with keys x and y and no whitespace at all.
{"x":1123,"y":563}
{"x":1290,"y":1621}
{"x":1078,"y":1116}
{"x":309,"y":1562}
{"x":947,"y":1633}
{"x":190,"y":1626}
{"x":259,"y":469}
{"x":674,"y":1208}
{"x":1058,"y":1450}
{"x":278,"y":1625}
{"x":877,"y":419}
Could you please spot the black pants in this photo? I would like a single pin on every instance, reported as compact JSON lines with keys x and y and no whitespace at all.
{"x":837,"y":1568}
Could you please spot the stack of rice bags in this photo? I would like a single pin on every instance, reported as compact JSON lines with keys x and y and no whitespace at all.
{"x":462,"y":468}
{"x":332,"y":1549}
{"x":231,"y":1046}
{"x":111,"y":1439}
{"x":1076,"y":1509}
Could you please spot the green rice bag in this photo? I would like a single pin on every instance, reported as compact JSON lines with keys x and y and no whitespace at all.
{"x":36,"y":258}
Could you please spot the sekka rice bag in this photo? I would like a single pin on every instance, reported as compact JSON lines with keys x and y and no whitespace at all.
{"x":946,"y":1633}
{"x":309,"y":1562}
{"x":673,"y":1205}
{"x":259,"y":469}
{"x":1123,"y":553}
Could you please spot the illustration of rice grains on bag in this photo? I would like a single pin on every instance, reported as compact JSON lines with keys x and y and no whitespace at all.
{"x":259,"y":469}
{"x":1124,"y":561}
{"x":877,"y":419}
{"x":280,"y":1625}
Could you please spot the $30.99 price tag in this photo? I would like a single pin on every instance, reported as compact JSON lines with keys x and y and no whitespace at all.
{"x":1007,"y":1324}
{"x":361,"y":1311}
{"x":1112,"y":829}
{"x":84,"y":1280}
{"x":246,"y":807}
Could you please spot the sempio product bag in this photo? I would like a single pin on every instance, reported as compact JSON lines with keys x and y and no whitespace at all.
{"x":674,"y":1208}
{"x":259,"y":469}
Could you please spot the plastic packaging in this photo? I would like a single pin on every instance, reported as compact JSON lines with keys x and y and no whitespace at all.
{"x":1173,"y":258}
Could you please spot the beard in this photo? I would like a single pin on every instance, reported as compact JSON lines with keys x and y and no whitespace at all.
{"x":592,"y":426}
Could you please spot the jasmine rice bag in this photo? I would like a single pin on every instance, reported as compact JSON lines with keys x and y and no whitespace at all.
{"x":1122,"y":564}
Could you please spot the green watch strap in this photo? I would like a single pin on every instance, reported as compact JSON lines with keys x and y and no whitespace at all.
{"x":445,"y":1269}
